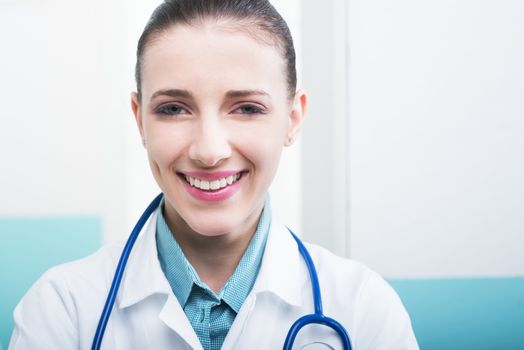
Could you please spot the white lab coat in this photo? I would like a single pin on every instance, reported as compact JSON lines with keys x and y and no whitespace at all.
{"x":62,"y":309}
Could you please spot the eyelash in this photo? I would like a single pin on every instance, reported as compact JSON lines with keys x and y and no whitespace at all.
{"x":167,"y":109}
{"x":255,"y":109}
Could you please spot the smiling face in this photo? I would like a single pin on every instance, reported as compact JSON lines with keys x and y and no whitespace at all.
{"x":214,"y":115}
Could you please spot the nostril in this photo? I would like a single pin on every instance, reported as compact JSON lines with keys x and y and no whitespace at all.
{"x":210,"y":150}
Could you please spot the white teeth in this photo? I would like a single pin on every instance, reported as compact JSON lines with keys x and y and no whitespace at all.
{"x":212,"y":185}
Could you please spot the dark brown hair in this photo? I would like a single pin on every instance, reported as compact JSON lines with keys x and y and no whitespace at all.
{"x":253,"y":16}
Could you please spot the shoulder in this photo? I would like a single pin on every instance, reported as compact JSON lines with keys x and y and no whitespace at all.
{"x":82,"y":279}
{"x":92,"y":271}
{"x":365,"y":300}
{"x":344,"y":276}
{"x":341,"y":270}
{"x":82,"y":270}
{"x":48,"y":314}
{"x":348,"y":279}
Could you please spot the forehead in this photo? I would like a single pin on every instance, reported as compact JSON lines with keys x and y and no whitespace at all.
{"x":208,"y":58}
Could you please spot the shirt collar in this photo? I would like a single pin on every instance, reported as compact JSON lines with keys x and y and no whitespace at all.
{"x":179,"y":272}
{"x":241,"y":281}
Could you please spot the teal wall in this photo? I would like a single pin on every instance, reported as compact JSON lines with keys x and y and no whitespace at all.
{"x":29,"y":246}
{"x":465,"y":313}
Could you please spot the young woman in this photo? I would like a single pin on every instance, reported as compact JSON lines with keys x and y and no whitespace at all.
{"x":213,"y":268}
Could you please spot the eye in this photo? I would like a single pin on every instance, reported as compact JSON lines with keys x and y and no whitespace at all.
{"x":249,"y":109}
{"x":171,"y":109}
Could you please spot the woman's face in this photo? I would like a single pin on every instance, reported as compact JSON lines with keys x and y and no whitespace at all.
{"x":214,"y":116}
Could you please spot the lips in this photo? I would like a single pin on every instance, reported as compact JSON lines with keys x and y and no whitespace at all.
{"x":216,"y":186}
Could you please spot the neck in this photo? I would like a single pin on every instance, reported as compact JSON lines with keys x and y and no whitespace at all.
{"x":214,"y":258}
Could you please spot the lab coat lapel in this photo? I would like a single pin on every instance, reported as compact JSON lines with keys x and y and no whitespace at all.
{"x":144,"y":277}
{"x":281,"y":277}
{"x":282,"y":269}
{"x":175,"y":318}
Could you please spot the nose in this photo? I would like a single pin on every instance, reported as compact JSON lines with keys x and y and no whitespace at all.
{"x":211,"y":144}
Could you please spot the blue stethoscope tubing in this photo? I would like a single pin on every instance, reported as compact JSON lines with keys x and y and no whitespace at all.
{"x":119,"y":272}
{"x":316,"y":318}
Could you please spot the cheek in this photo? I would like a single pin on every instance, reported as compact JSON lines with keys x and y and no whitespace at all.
{"x":263,"y":145}
{"x":164,"y":144}
{"x":270,"y":130}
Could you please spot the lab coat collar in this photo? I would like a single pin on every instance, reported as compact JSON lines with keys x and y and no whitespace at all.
{"x":143,"y":275}
{"x":282,"y":272}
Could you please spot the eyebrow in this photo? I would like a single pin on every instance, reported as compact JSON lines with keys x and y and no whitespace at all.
{"x":187,"y":94}
{"x":172,"y":93}
{"x":245,"y":93}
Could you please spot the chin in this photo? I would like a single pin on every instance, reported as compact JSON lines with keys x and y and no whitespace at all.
{"x":212,"y":228}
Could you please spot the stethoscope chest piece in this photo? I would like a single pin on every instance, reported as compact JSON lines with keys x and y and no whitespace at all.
{"x":317,"y":346}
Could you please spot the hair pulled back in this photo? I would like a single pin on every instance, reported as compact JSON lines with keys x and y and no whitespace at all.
{"x":250,"y":15}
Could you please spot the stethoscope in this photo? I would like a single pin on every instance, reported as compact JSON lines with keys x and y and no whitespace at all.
{"x":316,"y":318}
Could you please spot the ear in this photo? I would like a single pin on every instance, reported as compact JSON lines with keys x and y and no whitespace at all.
{"x":135,"y":106}
{"x":296,"y":116}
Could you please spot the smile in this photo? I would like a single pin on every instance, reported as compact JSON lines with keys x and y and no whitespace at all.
{"x":212,"y":185}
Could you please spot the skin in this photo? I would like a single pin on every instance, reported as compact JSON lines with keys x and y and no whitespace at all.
{"x":214,"y":99}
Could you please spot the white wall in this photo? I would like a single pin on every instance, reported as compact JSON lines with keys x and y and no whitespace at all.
{"x":325,"y":165}
{"x":59,"y":111}
{"x":436,"y":125}
{"x":68,"y":141}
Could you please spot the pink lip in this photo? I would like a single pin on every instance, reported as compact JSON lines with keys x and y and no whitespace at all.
{"x":213,"y":196}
